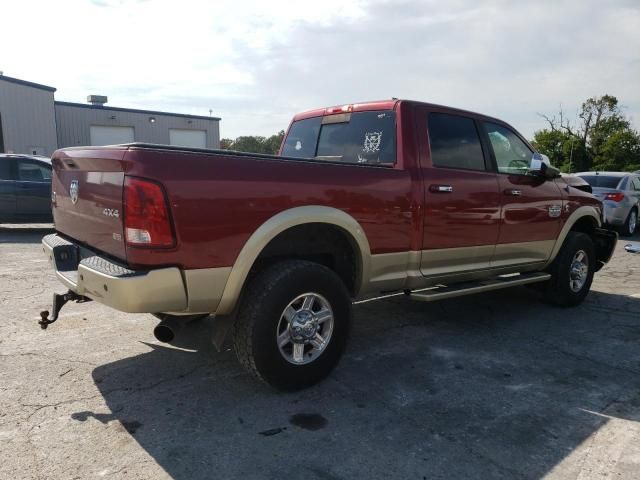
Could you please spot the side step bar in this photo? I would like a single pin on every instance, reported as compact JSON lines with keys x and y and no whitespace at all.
{"x":468,"y":288}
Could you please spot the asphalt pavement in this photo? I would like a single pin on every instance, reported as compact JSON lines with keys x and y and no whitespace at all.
{"x":497,"y":385}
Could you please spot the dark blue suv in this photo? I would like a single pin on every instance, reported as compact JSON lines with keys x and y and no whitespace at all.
{"x":25,"y":189}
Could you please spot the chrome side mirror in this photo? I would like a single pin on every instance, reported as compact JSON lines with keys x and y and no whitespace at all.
{"x":633,"y":247}
{"x":541,"y":165}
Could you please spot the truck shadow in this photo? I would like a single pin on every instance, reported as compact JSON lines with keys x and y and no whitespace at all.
{"x":24,"y":233}
{"x":492,"y":386}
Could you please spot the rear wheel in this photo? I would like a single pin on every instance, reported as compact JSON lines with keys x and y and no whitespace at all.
{"x":572,"y":271}
{"x":631,"y":224}
{"x":292,"y":324}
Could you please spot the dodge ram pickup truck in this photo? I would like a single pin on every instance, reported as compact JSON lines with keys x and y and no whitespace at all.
{"x":385,"y":196}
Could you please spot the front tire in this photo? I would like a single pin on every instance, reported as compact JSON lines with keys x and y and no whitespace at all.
{"x":293,"y":324}
{"x":572,"y":271}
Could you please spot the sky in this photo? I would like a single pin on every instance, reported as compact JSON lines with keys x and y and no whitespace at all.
{"x":257,"y":63}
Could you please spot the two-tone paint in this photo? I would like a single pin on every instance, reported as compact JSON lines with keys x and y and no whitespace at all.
{"x":227,"y":206}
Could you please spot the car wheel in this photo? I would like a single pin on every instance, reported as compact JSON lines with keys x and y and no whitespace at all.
{"x":293,"y":324}
{"x":572,"y":271}
{"x":631,"y":224}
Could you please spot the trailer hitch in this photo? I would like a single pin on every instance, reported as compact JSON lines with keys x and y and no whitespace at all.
{"x":58,"y":302}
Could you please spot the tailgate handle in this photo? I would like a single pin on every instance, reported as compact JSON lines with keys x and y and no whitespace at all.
{"x":440,"y":188}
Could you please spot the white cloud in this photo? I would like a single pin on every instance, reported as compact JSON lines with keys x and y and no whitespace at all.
{"x":257,"y":63}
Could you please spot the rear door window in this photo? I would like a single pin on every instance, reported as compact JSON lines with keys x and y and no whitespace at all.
{"x":361,"y":137}
{"x":601,"y":181}
{"x":455,"y":142}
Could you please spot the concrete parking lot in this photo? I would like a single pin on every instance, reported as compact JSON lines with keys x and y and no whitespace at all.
{"x":498,"y":385}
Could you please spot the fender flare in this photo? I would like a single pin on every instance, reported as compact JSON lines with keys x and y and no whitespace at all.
{"x":577,"y":214}
{"x":284,"y":221}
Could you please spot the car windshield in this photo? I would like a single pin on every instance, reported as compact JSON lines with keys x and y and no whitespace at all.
{"x":602,"y":181}
{"x":361,"y":137}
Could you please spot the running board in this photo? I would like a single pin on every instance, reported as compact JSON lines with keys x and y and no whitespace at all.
{"x":469,"y":288}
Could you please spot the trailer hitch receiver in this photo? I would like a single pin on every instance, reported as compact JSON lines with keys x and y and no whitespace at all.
{"x":58,"y":302}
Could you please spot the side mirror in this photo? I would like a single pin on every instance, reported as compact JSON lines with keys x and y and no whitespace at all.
{"x":541,"y":165}
{"x":633,"y":247}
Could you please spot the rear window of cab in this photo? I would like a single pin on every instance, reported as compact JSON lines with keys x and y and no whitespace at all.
{"x":361,"y":138}
{"x":601,"y":181}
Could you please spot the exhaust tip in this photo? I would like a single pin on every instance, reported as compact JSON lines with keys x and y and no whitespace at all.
{"x":164,"y":333}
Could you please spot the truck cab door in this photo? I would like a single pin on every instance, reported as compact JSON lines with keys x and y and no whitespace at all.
{"x":462,"y":201}
{"x":532,"y":206}
{"x":7,"y":189}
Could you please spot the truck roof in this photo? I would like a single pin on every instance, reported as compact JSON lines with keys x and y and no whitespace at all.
{"x":388,"y":104}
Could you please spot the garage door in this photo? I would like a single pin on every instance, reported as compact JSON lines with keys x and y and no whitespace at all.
{"x":108,"y":135}
{"x":188,"y":138}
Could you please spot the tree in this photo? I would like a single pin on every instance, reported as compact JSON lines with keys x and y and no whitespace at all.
{"x":602,"y":136}
{"x":254,"y":144}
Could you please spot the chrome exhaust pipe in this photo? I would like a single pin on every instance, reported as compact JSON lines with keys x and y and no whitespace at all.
{"x":168,"y":328}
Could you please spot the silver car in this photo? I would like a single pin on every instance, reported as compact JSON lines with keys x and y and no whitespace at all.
{"x":620,"y":195}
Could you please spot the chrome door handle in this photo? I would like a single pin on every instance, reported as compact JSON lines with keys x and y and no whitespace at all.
{"x":515,"y":193}
{"x":440,"y":188}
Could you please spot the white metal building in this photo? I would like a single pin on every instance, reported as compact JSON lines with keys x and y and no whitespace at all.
{"x":32,"y":122}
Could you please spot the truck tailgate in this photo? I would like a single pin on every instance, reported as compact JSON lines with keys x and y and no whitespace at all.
{"x":87,"y":189}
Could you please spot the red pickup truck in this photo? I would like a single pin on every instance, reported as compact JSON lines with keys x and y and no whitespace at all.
{"x":366,"y":198}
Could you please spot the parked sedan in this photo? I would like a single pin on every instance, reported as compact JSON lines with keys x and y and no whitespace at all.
{"x":620,"y":194}
{"x":25,"y":189}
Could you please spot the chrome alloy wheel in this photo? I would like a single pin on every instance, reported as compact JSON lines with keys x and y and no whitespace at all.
{"x":579,"y":271}
{"x":305,"y":328}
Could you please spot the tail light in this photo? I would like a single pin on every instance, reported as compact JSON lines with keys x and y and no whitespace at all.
{"x":615,"y":196}
{"x":342,"y":109}
{"x":146,"y":215}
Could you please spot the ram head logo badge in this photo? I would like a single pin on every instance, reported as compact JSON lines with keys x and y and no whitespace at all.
{"x":73,"y":191}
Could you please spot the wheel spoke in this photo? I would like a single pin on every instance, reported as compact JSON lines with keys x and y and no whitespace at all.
{"x":317,"y":341}
{"x":307,"y":303}
{"x":289,"y":313}
{"x":298,"y":352}
{"x":323,"y":315}
{"x":284,"y":338}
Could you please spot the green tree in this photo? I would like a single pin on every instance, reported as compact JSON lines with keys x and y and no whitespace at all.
{"x":601,"y":138}
{"x":254,"y":144}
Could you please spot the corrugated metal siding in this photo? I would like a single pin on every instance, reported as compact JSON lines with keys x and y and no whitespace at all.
{"x":74,"y":124}
{"x":28,"y":118}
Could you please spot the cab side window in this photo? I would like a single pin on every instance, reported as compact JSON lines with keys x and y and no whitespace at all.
{"x":454,"y":142}
{"x":513,"y":156}
{"x":636,"y":183}
{"x":32,"y":172}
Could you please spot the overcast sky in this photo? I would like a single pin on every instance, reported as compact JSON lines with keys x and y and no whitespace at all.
{"x":256,"y":63}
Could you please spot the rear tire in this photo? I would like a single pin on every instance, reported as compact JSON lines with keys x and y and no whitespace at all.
{"x":572,"y":271}
{"x":631,"y":223}
{"x":285,"y":309}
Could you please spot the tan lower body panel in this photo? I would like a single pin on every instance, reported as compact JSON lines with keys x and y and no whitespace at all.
{"x":205,"y":287}
{"x":418,"y":269}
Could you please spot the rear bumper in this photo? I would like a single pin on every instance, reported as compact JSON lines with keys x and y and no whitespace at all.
{"x":135,"y":291}
{"x":615,"y":214}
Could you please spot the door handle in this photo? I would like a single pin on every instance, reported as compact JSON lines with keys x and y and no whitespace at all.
{"x":514,"y":193}
{"x":440,"y":188}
